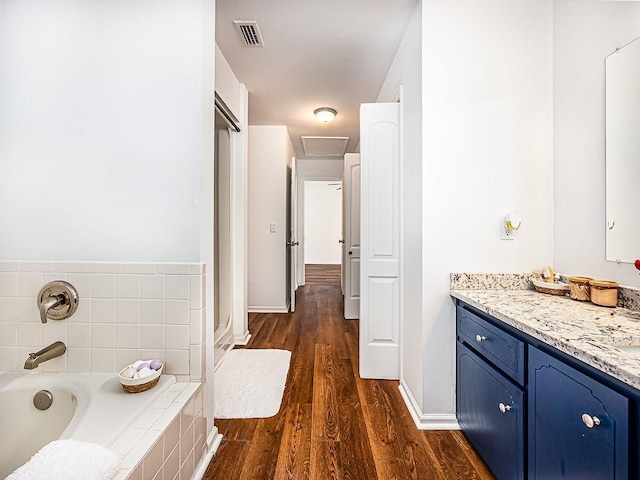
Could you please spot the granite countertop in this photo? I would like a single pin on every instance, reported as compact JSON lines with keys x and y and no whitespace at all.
{"x":581,"y":329}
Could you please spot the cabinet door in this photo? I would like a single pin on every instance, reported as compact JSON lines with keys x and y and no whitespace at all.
{"x":578,"y":428}
{"x":491,"y":414}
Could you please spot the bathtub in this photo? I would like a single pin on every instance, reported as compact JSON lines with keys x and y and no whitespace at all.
{"x":91,"y":407}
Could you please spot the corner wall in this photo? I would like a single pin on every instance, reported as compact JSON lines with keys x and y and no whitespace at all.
{"x":584,"y":34}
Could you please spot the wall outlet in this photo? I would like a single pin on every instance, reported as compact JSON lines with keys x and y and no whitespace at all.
{"x":272,"y":227}
{"x":505,"y":233}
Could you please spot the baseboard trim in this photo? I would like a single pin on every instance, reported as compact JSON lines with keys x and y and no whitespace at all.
{"x":258,"y":309}
{"x":429,"y":421}
{"x":213,"y":440}
{"x":242,"y":339}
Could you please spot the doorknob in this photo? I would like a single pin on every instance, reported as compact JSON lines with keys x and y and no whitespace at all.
{"x":292,"y":244}
{"x":340,"y":241}
{"x":350,"y":252}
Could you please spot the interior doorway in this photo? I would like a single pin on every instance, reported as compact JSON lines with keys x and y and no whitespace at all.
{"x":322,"y":232}
{"x":222,"y":275}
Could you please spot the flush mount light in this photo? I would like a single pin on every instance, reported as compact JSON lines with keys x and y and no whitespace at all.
{"x":325,"y":114}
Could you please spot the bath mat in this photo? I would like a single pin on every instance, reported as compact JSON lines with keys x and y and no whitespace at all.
{"x":249,"y":383}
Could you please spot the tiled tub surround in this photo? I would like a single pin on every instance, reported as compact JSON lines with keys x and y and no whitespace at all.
{"x":583,"y":330}
{"x":127,"y":311}
{"x":168,"y":441}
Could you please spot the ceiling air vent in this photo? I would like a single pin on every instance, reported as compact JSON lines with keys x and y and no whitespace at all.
{"x":249,"y":33}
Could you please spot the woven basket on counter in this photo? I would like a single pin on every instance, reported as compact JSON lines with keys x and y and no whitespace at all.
{"x":579,"y":288}
{"x":559,"y":289}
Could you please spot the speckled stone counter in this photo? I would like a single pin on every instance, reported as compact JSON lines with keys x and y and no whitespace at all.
{"x":582,"y":330}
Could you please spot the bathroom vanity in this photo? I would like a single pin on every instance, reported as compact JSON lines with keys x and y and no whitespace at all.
{"x":548,"y":387}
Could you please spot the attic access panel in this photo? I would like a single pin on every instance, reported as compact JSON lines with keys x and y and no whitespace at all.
{"x":324,"y":146}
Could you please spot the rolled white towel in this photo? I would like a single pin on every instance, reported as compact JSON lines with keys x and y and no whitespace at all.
{"x":69,"y":460}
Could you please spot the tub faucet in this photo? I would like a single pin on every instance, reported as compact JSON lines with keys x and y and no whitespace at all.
{"x":47,"y":353}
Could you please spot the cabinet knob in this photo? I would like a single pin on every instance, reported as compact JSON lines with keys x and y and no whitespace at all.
{"x":480,"y":338}
{"x":504,"y":408}
{"x":590,"y":421}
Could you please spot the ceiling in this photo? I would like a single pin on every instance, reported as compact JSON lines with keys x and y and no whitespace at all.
{"x":317,"y":53}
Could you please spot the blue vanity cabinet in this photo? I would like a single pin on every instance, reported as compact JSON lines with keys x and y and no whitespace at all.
{"x":490,"y":410}
{"x":578,"y":428}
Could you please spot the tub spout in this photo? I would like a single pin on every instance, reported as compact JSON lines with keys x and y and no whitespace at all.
{"x":47,"y":353}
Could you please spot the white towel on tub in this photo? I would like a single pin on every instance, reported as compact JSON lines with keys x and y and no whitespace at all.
{"x":69,"y":460}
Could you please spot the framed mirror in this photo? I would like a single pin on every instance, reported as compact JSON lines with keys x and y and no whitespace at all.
{"x":623,"y":153}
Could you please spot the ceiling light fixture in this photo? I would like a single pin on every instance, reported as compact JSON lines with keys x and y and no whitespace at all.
{"x":325,"y":114}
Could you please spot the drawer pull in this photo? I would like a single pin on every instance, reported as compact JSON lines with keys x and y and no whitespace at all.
{"x":480,"y":338}
{"x":504,"y":408}
{"x":590,"y":421}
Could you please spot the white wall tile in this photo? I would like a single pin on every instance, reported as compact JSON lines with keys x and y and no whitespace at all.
{"x":9,"y":266}
{"x":128,"y":286}
{"x":153,"y":460}
{"x":103,"y":335}
{"x":177,"y":337}
{"x":173,"y":268}
{"x":152,"y":286}
{"x":177,"y":287}
{"x":82,"y":283}
{"x":152,"y":336}
{"x":54,"y":331}
{"x":177,"y":312}
{"x":136,"y":473}
{"x":172,"y":464}
{"x":103,"y":360}
{"x":83,"y":313}
{"x":78,"y":359}
{"x":151,"y":353}
{"x":126,"y":356}
{"x":103,"y":310}
{"x":177,"y":362}
{"x":128,"y":440}
{"x":198,"y":399}
{"x":127,"y":311}
{"x":29,"y":284}
{"x":139,"y":268}
{"x":186,"y":445}
{"x":187,"y":416}
{"x":57,"y":364}
{"x":8,"y":334}
{"x":195,"y":355}
{"x":148,"y":417}
{"x":79,"y":335}
{"x":195,"y":292}
{"x":52,"y":277}
{"x":196,"y":327}
{"x":103,"y":286}
{"x":28,"y":310}
{"x":127,"y":336}
{"x":9,"y":309}
{"x":29,"y":333}
{"x":70,"y":267}
{"x":105,"y":267}
{"x":8,"y":284}
{"x":152,"y":311}
{"x":36,"y":267}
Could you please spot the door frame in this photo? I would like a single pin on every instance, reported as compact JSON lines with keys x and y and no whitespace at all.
{"x":299,"y":234}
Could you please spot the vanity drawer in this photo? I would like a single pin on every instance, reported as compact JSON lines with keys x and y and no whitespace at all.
{"x":500,"y":348}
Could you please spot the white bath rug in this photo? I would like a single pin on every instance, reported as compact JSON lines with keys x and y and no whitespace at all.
{"x":249,"y":383}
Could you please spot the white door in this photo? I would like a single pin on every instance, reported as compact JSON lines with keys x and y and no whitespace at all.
{"x":293,"y":243}
{"x":380,"y":241}
{"x":351,"y":245}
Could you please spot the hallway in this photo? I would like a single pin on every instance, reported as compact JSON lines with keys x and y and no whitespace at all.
{"x":332,"y":424}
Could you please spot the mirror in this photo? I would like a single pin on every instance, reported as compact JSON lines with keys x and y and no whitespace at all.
{"x":623,"y":153}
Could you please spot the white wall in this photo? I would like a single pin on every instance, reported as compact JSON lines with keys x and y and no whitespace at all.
{"x":584,"y":34}
{"x":268,"y":152}
{"x":227,"y":84}
{"x":322,"y":223}
{"x":487,"y":148}
{"x":100,"y":128}
{"x":406,"y":71}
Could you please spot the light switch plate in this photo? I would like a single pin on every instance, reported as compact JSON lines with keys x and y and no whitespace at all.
{"x":272,"y":227}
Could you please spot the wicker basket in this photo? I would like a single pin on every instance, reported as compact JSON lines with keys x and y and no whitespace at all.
{"x":137,"y":385}
{"x":579,"y":288}
{"x":559,"y":289}
{"x":604,"y":293}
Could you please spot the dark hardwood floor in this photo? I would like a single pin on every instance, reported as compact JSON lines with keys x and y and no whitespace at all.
{"x":321,"y":274}
{"x":332,"y":424}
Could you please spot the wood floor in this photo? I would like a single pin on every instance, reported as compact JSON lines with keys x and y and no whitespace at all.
{"x":321,"y":274}
{"x":332,"y":424}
